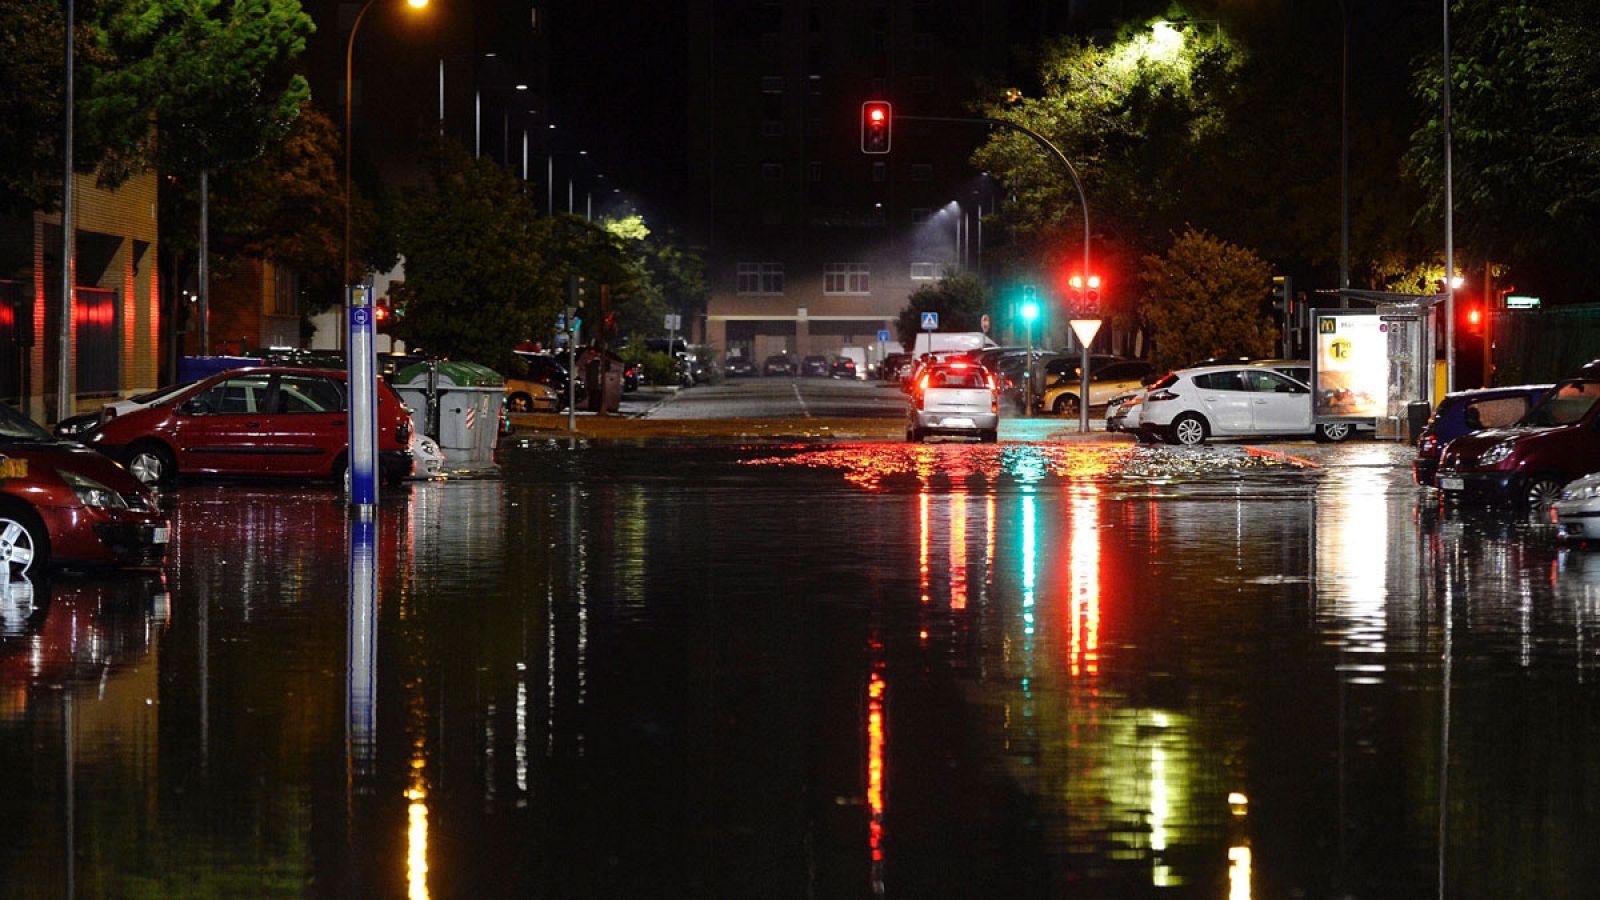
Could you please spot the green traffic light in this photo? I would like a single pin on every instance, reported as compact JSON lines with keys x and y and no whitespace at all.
{"x":1030,"y":310}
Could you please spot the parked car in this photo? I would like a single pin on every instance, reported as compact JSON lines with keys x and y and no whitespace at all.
{"x":1190,"y":405}
{"x":778,"y":364}
{"x":889,"y":366}
{"x":843,"y":367}
{"x":548,"y":369}
{"x":739,"y":366}
{"x":267,"y":421}
{"x":1555,"y":443}
{"x":954,"y":398}
{"x":1466,"y":412}
{"x":1110,"y":380}
{"x":814,"y":367}
{"x":62,"y":503}
{"x":524,"y":396}
{"x":72,"y":426}
{"x":632,"y":376}
{"x":1122,"y":412}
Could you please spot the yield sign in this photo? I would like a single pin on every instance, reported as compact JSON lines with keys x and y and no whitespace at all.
{"x":1086,"y":329}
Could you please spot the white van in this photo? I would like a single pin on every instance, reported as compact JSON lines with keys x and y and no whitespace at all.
{"x":935,"y":341}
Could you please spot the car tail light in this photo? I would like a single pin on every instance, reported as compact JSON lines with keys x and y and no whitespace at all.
{"x":1429,"y":444}
{"x":1159,"y":396}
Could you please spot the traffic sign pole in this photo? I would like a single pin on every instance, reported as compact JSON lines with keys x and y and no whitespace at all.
{"x":361,"y":368}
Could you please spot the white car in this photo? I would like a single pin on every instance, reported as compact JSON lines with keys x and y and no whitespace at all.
{"x":427,"y":460}
{"x":954,"y":398}
{"x":1190,"y":405}
{"x":1578,"y":509}
{"x":1122,"y":413}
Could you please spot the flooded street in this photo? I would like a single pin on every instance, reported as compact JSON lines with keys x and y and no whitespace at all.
{"x":823,"y":670}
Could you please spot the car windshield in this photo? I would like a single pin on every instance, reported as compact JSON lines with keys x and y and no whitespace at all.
{"x":15,"y":426}
{"x":1565,"y":405}
{"x":161,"y":393}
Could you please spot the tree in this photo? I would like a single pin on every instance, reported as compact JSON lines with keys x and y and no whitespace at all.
{"x":960,"y":299}
{"x":482,"y":270}
{"x":1203,"y":298}
{"x":216,"y":76}
{"x":286,"y":208}
{"x":1526,"y":137}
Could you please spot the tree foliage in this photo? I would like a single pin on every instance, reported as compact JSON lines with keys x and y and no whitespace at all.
{"x":1525,"y":133}
{"x":216,"y":76}
{"x":477,"y":274}
{"x":960,"y":299}
{"x":1205,"y":297}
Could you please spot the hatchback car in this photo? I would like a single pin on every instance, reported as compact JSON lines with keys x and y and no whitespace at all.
{"x":1109,"y":381}
{"x":954,"y":398}
{"x":61,"y":502}
{"x":814,"y":367}
{"x":739,"y":366}
{"x":1466,"y":412}
{"x":1556,"y":442}
{"x":1190,"y":405}
{"x":843,"y":367}
{"x":257,"y":421}
{"x":778,"y":364}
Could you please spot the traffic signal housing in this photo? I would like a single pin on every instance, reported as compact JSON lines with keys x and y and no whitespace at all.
{"x":1083,"y":295}
{"x":877,"y":120}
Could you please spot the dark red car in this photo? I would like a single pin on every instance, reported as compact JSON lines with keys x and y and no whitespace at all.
{"x":1558,"y":440}
{"x":262,"y":421}
{"x":61,"y":502}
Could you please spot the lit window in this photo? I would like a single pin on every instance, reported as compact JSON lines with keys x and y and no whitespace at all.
{"x":926,"y":271}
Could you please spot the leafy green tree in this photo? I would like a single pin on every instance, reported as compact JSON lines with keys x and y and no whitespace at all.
{"x":960,"y":299}
{"x":1205,"y":297}
{"x":1526,"y":135}
{"x":482,"y":270}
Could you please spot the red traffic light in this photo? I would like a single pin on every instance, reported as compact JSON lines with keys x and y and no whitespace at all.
{"x":1079,"y":292}
{"x":876,"y":122}
{"x":380,"y":314}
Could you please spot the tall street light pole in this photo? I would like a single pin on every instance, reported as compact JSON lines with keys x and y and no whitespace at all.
{"x":1449,"y":225}
{"x":64,"y":348}
{"x":349,"y":54}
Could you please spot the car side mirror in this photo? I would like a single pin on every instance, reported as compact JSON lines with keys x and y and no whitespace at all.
{"x":192,"y":407}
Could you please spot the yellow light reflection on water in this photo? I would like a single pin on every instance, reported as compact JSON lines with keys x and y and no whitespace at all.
{"x":417,"y":837}
{"x":875,"y":741}
{"x":1238,"y":873}
{"x":958,"y":551}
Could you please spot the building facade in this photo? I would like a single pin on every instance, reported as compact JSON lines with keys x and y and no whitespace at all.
{"x":115,"y":337}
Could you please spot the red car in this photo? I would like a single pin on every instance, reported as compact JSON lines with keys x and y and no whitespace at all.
{"x":262,"y":421}
{"x":1529,"y":463}
{"x":61,"y":502}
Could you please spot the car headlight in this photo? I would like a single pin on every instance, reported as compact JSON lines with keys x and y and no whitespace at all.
{"x":1497,"y":454}
{"x":93,"y":493}
{"x":1584,"y":491}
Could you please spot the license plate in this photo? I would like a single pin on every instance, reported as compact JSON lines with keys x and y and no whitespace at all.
{"x":957,"y":423}
{"x":161,"y":534}
{"x":1452,"y":484}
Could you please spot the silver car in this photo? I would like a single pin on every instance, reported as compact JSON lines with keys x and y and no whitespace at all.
{"x":954,"y":397}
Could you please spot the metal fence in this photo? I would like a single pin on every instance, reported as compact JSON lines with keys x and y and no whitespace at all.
{"x":1536,"y":346}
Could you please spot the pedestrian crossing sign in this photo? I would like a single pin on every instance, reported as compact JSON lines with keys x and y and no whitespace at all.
{"x":930,"y":321}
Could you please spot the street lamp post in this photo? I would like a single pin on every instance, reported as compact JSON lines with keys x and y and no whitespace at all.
{"x":357,"y":335}
{"x":349,"y":54}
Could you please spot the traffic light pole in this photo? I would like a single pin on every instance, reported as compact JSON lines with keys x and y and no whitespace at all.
{"x":1053,"y":150}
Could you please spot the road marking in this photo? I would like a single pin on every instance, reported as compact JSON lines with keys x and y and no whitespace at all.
{"x":801,"y":400}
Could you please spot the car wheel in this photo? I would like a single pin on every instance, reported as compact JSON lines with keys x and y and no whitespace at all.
{"x":992,"y":436}
{"x":1334,"y":432}
{"x":1189,"y":430}
{"x":151,"y":463}
{"x":1542,"y":491}
{"x":23,"y":541}
{"x":1066,"y":405}
{"x":913,"y":436}
{"x":520,"y":402}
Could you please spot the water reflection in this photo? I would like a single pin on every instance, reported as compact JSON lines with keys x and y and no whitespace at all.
{"x":834,"y":671}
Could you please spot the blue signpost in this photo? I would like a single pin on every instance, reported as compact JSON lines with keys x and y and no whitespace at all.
{"x":361,"y":364}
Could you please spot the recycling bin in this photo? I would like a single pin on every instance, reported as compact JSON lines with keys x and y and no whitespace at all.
{"x":456,"y":404}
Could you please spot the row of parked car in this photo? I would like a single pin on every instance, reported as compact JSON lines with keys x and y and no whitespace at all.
{"x":1536,"y":446}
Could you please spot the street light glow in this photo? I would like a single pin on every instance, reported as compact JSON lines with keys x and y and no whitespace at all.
{"x":417,"y":4}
